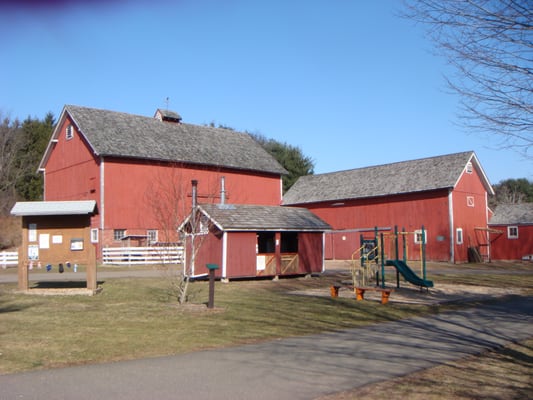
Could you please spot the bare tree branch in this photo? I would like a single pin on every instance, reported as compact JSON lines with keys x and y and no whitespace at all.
{"x":490,"y":45}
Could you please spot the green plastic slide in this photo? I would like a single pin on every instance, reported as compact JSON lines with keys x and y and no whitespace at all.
{"x":409,"y":274}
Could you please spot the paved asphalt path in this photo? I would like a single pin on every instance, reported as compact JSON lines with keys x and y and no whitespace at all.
{"x":294,"y":368}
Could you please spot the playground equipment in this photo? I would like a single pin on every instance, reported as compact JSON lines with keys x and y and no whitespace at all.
{"x":401,"y":265}
{"x":368,"y":256}
{"x":371,"y":255}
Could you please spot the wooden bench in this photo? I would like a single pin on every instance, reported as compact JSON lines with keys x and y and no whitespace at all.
{"x":385,"y":293}
{"x":334,"y":289}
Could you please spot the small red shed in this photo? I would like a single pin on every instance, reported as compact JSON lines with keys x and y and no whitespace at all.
{"x":255,"y":240}
{"x":512,"y":227}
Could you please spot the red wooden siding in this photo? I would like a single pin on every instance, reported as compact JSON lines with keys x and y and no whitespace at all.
{"x":469,"y":212}
{"x":209,"y":252}
{"x":241,"y":254}
{"x":141,"y":195}
{"x":310,"y":252}
{"x":504,"y":248}
{"x":72,"y":172}
{"x":406,"y":211}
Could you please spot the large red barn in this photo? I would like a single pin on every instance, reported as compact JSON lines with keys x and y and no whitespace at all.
{"x":138,"y":169}
{"x":448,"y":195}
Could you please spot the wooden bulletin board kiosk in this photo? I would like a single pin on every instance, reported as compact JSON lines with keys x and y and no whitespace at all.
{"x":54,"y":233}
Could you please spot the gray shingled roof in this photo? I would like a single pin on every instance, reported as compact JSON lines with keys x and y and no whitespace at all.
{"x":511,"y":214}
{"x":118,"y":134}
{"x":383,"y":180}
{"x":234,"y":217}
{"x":27,"y":208}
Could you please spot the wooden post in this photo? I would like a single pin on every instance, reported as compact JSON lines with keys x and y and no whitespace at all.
{"x":23,"y":281}
{"x":92,"y":282}
{"x":211,"y":268}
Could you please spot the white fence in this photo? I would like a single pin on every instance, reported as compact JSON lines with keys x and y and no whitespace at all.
{"x":142,"y":255}
{"x":9,"y":259}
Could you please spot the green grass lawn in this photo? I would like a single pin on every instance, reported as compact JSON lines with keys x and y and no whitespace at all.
{"x":135,"y":318}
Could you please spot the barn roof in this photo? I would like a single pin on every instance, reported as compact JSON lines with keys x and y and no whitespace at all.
{"x":420,"y":175}
{"x":513,"y":214}
{"x":35,"y":208}
{"x":118,"y":134}
{"x":240,"y":217}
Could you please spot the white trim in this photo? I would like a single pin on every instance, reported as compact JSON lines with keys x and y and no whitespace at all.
{"x":323,"y":251}
{"x":94,"y":235}
{"x":101,"y":208}
{"x":509,"y":236}
{"x":452,"y":228}
{"x":224,"y":254}
{"x":457,"y":231}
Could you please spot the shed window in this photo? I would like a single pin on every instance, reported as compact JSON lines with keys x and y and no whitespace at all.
{"x":289,"y":242}
{"x":118,"y":234}
{"x":470,"y":201}
{"x":69,"y":132}
{"x":469,"y":168}
{"x":266,"y":242}
{"x":459,"y":235}
{"x":512,"y":232}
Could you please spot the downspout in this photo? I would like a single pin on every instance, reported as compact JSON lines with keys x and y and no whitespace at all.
{"x":451,"y":222}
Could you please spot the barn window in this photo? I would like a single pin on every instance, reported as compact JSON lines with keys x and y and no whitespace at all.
{"x":69,"y":132}
{"x":118,"y":234}
{"x":289,"y":242}
{"x":94,"y":235}
{"x":418,"y":236}
{"x":152,"y":236}
{"x":512,"y":232}
{"x":470,"y":201}
{"x":459,"y":235}
{"x":469,"y":168}
{"x":266,"y":242}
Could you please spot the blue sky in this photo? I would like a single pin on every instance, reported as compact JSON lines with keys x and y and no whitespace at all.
{"x":349,"y":82}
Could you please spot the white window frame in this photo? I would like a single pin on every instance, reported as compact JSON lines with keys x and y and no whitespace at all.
{"x":459,"y":238}
{"x":470,"y":201}
{"x":94,"y":235}
{"x":153,"y":236}
{"x":116,"y":232}
{"x":418,"y":234}
{"x":469,"y":168}
{"x":69,"y":132}
{"x":510,"y":233}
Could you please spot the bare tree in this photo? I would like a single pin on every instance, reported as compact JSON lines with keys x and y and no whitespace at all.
{"x":490,"y":45}
{"x":169,"y":199}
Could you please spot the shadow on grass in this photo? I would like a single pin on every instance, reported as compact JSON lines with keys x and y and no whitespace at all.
{"x":61,"y":284}
{"x":9,"y":308}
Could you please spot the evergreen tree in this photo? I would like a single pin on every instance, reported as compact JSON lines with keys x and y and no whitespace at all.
{"x":35,"y":135}
{"x":290,"y":157}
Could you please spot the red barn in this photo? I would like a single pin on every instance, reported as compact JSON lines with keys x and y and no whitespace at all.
{"x":512,"y":232}
{"x":448,"y":195}
{"x":137,"y":169}
{"x":252,"y":241}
